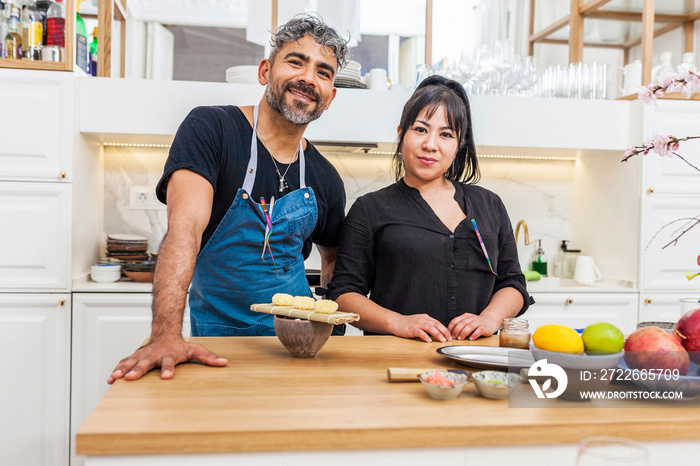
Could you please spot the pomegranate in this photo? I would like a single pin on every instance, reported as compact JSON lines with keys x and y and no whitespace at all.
{"x":688,"y":328}
{"x":652,"y":348}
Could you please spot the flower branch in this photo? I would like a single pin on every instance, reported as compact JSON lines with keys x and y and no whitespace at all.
{"x":686,"y":81}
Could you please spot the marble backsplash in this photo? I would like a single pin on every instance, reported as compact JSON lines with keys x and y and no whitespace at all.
{"x":537,"y":191}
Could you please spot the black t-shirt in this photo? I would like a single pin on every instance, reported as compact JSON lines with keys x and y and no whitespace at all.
{"x":214,"y":142}
{"x":395,"y":248}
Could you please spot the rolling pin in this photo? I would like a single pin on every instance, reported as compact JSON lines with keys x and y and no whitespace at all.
{"x":401,"y":374}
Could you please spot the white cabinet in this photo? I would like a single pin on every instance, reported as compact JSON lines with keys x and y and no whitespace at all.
{"x":107,"y":327}
{"x":662,"y":307}
{"x":35,"y":237}
{"x":578,"y":310}
{"x":35,"y":338}
{"x":670,"y":201}
{"x":664,"y":267}
{"x":37,"y":128}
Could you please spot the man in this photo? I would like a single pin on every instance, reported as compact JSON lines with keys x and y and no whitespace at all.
{"x":246,"y":196}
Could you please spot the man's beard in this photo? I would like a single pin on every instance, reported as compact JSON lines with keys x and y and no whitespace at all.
{"x":295,"y":113}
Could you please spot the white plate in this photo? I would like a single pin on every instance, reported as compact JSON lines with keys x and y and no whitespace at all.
{"x":488,"y":357}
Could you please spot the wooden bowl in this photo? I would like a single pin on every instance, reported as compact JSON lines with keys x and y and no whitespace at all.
{"x":143,"y":277}
{"x":303,"y":338}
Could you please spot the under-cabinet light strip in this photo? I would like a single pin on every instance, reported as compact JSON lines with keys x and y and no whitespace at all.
{"x":527,"y":157}
{"x":134,"y":144}
{"x":499,"y":156}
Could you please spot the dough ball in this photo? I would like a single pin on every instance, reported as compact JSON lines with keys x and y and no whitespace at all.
{"x":304,"y":302}
{"x":282,"y":299}
{"x":326,"y":306}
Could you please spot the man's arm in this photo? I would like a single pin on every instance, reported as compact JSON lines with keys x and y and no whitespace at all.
{"x":328,"y":256}
{"x":190,"y":198}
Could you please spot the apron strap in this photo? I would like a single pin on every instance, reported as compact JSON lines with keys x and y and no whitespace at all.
{"x":253,"y":161}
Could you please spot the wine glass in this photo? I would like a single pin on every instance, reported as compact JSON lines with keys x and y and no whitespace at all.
{"x":468,"y":65}
{"x":611,"y":451}
{"x":485,"y":68}
{"x":502,"y":61}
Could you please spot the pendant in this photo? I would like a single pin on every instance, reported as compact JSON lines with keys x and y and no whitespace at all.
{"x":283,"y":184}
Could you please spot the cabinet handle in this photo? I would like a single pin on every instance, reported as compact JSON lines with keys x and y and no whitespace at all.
{"x":61,"y":301}
{"x":63,"y":174}
{"x":647,"y":300}
{"x":650,"y":189}
{"x":569,"y":300}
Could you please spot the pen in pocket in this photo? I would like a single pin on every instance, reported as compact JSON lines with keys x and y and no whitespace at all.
{"x":483,"y":246}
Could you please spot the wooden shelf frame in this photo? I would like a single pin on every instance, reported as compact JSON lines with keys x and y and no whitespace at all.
{"x":582,"y":9}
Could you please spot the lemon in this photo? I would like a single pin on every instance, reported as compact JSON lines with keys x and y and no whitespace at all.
{"x":557,"y":338}
{"x":603,"y":337}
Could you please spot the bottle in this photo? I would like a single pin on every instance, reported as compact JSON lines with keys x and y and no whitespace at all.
{"x":664,"y":64}
{"x":82,"y":57}
{"x":539,"y":259}
{"x":4,"y":27}
{"x":56,"y":25}
{"x":93,"y":53}
{"x":515,"y":333}
{"x":689,"y":59}
{"x":43,"y":6}
{"x":32,"y":31}
{"x":13,"y":41}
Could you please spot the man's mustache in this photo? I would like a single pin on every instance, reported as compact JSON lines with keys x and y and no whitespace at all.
{"x":304,"y":89}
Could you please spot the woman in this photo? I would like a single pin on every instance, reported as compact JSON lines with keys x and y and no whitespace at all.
{"x":414,"y":246}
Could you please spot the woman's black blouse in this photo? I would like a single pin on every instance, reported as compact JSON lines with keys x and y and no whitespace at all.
{"x":395,"y":249}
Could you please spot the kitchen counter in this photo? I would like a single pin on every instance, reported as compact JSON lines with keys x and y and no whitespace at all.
{"x":565,"y":285}
{"x":266,"y":405}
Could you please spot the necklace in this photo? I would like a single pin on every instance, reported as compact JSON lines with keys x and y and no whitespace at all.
{"x":280,"y":176}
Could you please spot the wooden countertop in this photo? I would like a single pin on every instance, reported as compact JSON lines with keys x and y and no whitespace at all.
{"x":266,"y":400}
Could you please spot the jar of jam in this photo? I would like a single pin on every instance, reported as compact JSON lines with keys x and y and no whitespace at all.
{"x":515,"y":333}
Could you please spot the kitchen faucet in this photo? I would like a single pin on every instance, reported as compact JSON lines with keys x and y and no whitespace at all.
{"x":517,"y":229}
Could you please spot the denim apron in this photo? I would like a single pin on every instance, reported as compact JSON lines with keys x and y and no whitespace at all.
{"x":232,"y":272}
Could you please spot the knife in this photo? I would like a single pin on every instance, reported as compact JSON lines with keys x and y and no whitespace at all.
{"x":401,"y":374}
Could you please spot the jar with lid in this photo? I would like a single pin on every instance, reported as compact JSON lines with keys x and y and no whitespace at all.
{"x":515,"y":333}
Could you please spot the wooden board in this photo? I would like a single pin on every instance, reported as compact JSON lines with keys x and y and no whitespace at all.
{"x":288,"y":311}
{"x":266,"y":400}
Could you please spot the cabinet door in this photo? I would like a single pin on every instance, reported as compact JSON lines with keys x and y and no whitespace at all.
{"x":107,"y":327}
{"x":662,"y":267}
{"x":35,"y":236}
{"x":662,"y":307}
{"x":579,"y":310}
{"x":35,"y":337}
{"x":670,"y":174}
{"x":37,"y":127}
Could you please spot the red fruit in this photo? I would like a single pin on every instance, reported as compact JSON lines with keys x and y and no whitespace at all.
{"x":698,"y":260}
{"x":688,"y":328}
{"x":652,"y":348}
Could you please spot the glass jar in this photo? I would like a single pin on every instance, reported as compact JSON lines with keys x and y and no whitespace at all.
{"x":515,"y":333}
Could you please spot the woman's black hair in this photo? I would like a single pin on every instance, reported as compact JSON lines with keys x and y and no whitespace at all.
{"x":435,"y":92}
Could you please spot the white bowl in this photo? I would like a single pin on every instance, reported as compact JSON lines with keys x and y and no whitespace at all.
{"x":105,"y":278}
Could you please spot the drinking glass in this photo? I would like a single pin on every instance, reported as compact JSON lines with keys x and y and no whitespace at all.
{"x":485,"y":68}
{"x":422,"y":72}
{"x":599,"y":79}
{"x":689,"y":304}
{"x":611,"y":451}
{"x":575,"y":76}
{"x":468,"y":65}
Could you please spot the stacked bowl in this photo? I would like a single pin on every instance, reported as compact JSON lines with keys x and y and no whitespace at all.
{"x":140,"y":271}
{"x":106,"y":273}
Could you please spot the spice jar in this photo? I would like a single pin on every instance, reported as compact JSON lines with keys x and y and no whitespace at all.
{"x":515,"y":333}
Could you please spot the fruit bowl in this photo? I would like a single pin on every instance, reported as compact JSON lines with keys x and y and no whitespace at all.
{"x":688,"y":385}
{"x":575,"y":364}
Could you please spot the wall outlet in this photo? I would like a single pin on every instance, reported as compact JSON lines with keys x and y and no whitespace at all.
{"x":144,"y":198}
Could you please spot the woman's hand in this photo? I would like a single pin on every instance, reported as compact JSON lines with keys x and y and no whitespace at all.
{"x":420,"y":326}
{"x":473,"y":326}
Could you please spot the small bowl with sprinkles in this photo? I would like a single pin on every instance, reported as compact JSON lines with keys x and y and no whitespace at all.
{"x":494,"y":384}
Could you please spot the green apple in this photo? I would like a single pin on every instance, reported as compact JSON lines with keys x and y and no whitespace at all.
{"x":603,"y":337}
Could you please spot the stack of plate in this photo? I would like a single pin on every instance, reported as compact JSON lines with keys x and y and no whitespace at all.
{"x":127,"y":247}
{"x":350,"y":77}
{"x":246,"y":74}
{"x":105,"y":273}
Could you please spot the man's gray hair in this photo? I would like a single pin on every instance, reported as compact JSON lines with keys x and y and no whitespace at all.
{"x":302,"y":25}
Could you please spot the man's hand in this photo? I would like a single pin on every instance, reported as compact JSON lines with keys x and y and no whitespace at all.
{"x":473,"y":326}
{"x":420,"y":326}
{"x":165,"y":353}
